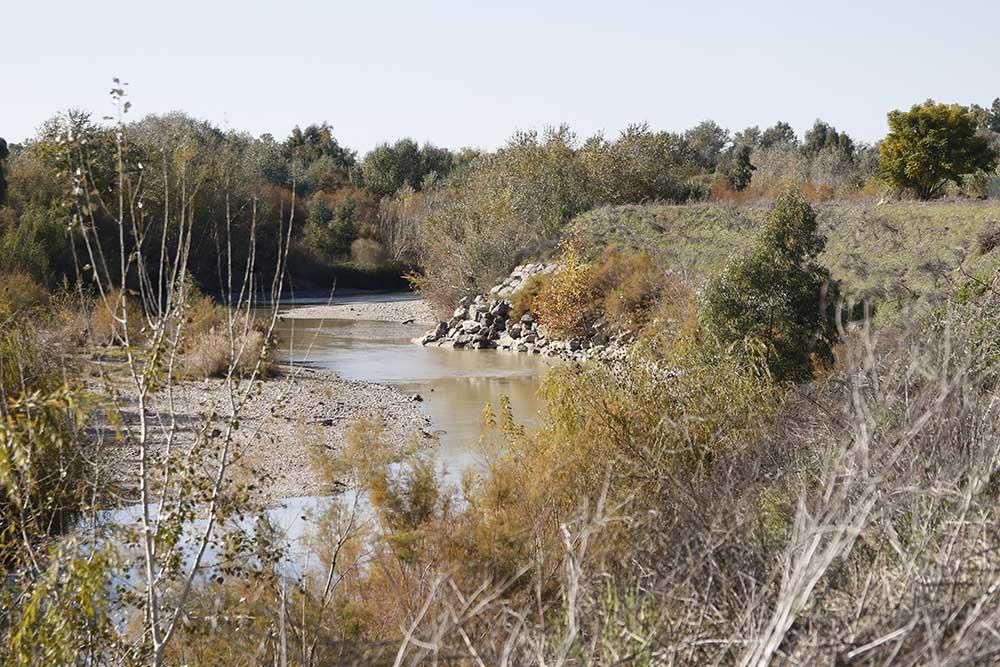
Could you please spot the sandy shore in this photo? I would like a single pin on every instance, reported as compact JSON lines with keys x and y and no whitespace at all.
{"x":288,"y":417}
{"x":389,"y":309}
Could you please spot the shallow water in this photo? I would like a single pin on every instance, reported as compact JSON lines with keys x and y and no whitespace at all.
{"x":455,"y":385}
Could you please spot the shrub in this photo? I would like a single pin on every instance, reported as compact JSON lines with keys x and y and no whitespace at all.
{"x":20,"y":294}
{"x":621,"y":286}
{"x":523,"y":300}
{"x":778,"y":294}
{"x":629,"y":285}
{"x":367,"y":253}
{"x":106,"y":326}
{"x":210,"y":355}
{"x":566,"y":303}
{"x":42,"y":467}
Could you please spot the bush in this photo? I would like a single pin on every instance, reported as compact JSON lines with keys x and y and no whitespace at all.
{"x":629,"y":285}
{"x":367,"y":254}
{"x":210,"y":354}
{"x":524,"y":299}
{"x":106,"y":327}
{"x":20,"y":294}
{"x":778,"y":294}
{"x":621,"y":287}
{"x":43,"y":472}
{"x":566,"y":304}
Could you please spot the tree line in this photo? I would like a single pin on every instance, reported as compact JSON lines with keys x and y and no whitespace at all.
{"x":410,"y":207}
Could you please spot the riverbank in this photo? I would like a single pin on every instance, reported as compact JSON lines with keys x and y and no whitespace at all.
{"x":284,"y":424}
{"x":390,"y":307}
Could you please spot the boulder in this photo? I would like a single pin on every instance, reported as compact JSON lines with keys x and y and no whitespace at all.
{"x":515,"y":331}
{"x":471,"y":326}
{"x":500,"y":308}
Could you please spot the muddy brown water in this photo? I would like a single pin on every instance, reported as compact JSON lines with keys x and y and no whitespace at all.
{"x":455,"y":385}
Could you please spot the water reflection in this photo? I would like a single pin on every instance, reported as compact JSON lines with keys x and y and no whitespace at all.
{"x":456,"y":385}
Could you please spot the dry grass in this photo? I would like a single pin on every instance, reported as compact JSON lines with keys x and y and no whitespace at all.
{"x":19,"y":295}
{"x":216,"y":352}
{"x":116,"y":318}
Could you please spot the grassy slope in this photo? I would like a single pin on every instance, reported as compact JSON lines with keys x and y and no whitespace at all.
{"x":895,"y":253}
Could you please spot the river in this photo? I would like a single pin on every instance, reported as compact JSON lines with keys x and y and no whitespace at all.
{"x":454,"y":385}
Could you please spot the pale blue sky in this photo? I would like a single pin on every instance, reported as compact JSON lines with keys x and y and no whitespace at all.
{"x":464,"y":73}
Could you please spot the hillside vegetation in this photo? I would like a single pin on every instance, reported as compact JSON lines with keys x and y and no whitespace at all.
{"x":894,"y":253}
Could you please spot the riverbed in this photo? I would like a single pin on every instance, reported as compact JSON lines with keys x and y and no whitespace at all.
{"x":452,"y":386}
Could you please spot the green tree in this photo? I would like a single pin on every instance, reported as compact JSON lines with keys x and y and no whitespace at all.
{"x":736,"y":166}
{"x":387,"y":168}
{"x":330,"y":229}
{"x":823,"y":136}
{"x":778,"y":294}
{"x":314,"y":159}
{"x":4,"y":154}
{"x":930,"y":145}
{"x":993,"y":121}
{"x":780,"y":134}
{"x":707,"y":141}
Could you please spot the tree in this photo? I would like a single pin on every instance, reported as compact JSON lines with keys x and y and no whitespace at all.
{"x":930,"y":145}
{"x":780,"y":134}
{"x":387,"y":168}
{"x":331,"y":226}
{"x":4,"y":154}
{"x":824,"y":136}
{"x":736,"y":166}
{"x":315,"y":158}
{"x":993,"y":122}
{"x":778,"y":294}
{"x":707,"y":141}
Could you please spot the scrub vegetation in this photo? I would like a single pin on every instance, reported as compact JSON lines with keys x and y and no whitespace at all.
{"x":794,"y":461}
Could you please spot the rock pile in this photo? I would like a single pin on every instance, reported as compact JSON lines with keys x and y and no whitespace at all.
{"x":518,"y":277}
{"x":485,"y":322}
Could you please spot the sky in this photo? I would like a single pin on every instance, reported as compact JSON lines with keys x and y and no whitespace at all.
{"x":470,"y":73}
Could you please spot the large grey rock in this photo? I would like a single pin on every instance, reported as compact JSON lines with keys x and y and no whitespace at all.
{"x":500,"y":308}
{"x":471,"y":326}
